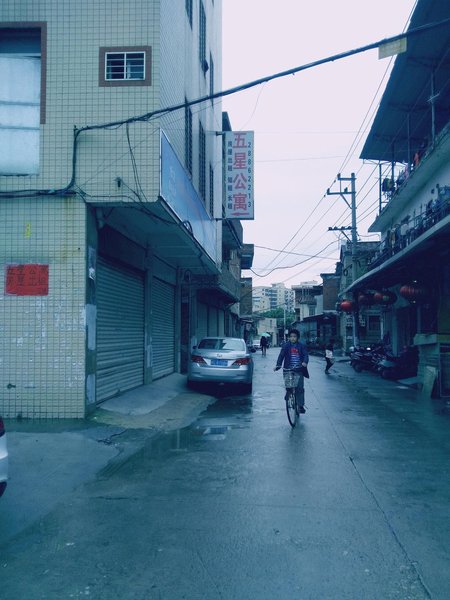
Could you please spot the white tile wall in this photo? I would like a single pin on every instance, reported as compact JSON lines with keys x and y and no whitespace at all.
{"x":42,"y":363}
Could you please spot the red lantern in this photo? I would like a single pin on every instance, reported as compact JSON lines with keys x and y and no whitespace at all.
{"x":365,"y":298}
{"x":414,"y":293}
{"x":347,"y":306}
{"x":384,"y":297}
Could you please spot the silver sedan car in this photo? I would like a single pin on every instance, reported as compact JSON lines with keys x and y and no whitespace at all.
{"x":221,"y":360}
{"x":3,"y":458}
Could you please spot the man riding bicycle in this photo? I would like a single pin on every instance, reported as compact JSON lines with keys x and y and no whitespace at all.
{"x":295,"y":356}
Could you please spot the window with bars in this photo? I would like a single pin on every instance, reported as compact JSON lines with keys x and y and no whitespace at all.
{"x":373,"y":323}
{"x":211,"y":77}
{"x":189,"y":11}
{"x":188,"y":138}
{"x":202,"y":38}
{"x":211,"y":190}
{"x":202,"y":163}
{"x":125,"y":66}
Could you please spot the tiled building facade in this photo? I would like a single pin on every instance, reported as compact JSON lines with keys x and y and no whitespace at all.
{"x":82,"y":194}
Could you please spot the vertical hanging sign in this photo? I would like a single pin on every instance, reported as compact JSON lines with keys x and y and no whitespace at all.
{"x":239,"y":159}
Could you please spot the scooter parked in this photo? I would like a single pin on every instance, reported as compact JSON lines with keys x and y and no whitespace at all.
{"x":400,"y":367}
{"x":366,"y":359}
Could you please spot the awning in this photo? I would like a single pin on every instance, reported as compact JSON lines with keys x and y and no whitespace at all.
{"x":328,"y":317}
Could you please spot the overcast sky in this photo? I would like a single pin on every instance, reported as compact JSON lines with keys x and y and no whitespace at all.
{"x":309,"y":126}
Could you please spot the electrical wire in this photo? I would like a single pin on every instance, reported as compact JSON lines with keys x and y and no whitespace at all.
{"x":307,"y":269}
{"x":286,"y":252}
{"x":361,"y":131}
{"x":162,"y":111}
{"x":296,"y":265}
{"x":357,"y":137}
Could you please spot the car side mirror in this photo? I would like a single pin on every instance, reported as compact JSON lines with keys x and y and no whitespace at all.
{"x":194,"y":347}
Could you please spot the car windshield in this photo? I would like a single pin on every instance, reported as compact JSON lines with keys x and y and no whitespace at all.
{"x":221,"y":344}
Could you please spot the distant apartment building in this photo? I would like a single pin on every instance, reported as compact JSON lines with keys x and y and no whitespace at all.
{"x":305,"y":303}
{"x":273,"y":297}
{"x":260,"y":299}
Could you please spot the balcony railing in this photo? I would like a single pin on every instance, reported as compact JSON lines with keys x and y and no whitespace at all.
{"x":224,"y":283}
{"x":400,"y":236}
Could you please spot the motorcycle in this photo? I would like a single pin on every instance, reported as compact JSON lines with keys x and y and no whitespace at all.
{"x":400,"y":367}
{"x":366,"y":358}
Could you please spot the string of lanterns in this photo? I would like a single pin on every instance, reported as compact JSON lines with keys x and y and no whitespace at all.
{"x":413,"y":292}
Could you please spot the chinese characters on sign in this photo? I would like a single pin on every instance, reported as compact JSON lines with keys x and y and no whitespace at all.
{"x":26,"y":280}
{"x":239,"y":157}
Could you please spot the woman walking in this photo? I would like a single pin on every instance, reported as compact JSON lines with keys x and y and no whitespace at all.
{"x":329,"y":355}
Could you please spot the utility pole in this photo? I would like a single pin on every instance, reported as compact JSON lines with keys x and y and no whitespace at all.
{"x":352,"y":206}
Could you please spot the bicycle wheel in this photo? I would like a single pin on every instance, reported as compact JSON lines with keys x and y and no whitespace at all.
{"x":291,"y":408}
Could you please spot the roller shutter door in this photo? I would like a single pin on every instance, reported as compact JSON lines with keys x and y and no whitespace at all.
{"x":202,"y":321}
{"x":212,"y":321}
{"x":120,"y":329}
{"x":163,"y":328}
{"x":221,"y":322}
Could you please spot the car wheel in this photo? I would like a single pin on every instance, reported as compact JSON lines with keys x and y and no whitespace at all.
{"x":358,"y":368}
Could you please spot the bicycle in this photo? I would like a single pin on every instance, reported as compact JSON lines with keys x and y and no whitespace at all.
{"x":291,"y":379}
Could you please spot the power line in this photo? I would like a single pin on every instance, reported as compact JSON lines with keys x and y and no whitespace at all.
{"x":360,"y":131}
{"x":297,"y":264}
{"x":162,"y":111}
{"x":286,"y":251}
{"x":346,"y":160}
{"x":303,"y":270}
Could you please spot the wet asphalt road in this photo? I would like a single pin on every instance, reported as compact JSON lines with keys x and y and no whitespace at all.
{"x":353,"y":504}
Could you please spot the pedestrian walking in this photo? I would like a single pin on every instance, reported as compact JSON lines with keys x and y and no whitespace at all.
{"x":263,"y":343}
{"x":329,"y":355}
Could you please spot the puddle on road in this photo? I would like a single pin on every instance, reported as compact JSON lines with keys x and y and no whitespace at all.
{"x":214,"y":424}
{"x":229,"y":412}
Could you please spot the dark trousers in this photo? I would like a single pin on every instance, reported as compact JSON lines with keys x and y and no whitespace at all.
{"x":329,"y":364}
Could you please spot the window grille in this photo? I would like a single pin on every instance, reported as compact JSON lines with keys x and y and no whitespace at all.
{"x":211,"y":77}
{"x":373,"y":323}
{"x":125,"y":66}
{"x":202,"y":163}
{"x":202,"y":38}
{"x":188,"y":138}
{"x":189,"y":10}
{"x":211,"y":191}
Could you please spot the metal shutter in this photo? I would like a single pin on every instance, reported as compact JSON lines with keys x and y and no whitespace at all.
{"x":163,"y":328}
{"x":202,"y":321}
{"x":221,"y":322}
{"x":212,"y":321}
{"x":120,"y":330}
